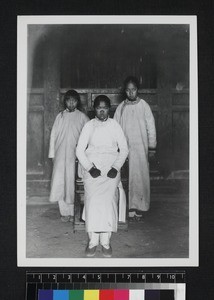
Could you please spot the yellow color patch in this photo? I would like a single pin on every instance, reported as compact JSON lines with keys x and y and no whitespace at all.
{"x":91,"y":294}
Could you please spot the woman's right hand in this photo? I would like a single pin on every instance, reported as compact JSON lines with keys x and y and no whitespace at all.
{"x":94,"y":172}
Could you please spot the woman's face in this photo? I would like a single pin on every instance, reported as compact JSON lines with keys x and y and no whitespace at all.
{"x":102,"y":111}
{"x":71,"y":103}
{"x":131,"y":91}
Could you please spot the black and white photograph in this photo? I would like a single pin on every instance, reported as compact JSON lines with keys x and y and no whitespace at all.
{"x":107,"y":141}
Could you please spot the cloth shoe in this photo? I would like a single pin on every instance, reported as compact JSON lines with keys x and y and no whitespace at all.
{"x":90,"y":252}
{"x":135,"y":216}
{"x":107,"y":252}
{"x":65,"y":219}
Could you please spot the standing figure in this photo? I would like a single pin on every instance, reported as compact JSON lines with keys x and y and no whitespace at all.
{"x":101,"y":150}
{"x":137,"y":121}
{"x":64,"y":137}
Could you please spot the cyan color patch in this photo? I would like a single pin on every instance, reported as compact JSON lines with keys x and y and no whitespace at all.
{"x":60,"y":295}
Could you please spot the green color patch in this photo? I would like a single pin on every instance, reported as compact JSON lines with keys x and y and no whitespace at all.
{"x":76,"y":295}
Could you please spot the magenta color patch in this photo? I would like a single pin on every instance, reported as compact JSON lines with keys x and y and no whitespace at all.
{"x":121,"y":294}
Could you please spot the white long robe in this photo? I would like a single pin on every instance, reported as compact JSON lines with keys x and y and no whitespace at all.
{"x":64,"y":137}
{"x":137,"y":122}
{"x":98,"y":146}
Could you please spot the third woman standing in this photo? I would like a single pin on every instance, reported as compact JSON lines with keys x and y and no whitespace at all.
{"x":137,"y":121}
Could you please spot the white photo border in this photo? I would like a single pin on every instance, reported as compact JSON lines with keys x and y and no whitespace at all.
{"x":22,"y":260}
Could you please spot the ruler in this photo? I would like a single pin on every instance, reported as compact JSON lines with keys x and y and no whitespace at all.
{"x":36,"y":281}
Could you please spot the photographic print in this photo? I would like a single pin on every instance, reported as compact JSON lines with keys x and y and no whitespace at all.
{"x":107,"y":149}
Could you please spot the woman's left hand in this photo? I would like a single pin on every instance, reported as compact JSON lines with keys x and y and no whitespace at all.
{"x":112,"y":173}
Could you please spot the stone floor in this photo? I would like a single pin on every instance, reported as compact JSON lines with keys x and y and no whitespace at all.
{"x":162,"y":234}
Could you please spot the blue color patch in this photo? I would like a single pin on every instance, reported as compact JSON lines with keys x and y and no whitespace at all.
{"x":60,"y":295}
{"x":45,"y":295}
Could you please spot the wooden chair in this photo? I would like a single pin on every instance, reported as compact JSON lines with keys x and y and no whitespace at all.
{"x":79,"y":223}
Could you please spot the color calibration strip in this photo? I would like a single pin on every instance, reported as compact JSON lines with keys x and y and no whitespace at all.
{"x":106,"y":294}
{"x":105,"y":286}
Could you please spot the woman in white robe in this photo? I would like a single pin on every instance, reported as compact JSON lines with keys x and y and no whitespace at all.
{"x":64,"y":137}
{"x":137,"y":121}
{"x":101,"y":150}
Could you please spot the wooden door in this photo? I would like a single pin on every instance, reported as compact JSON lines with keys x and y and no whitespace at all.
{"x":55,"y":69}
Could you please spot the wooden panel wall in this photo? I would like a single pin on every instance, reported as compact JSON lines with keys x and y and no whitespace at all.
{"x":35,"y":133}
{"x":95,"y":60}
{"x":176,"y":136}
{"x":180,"y":130}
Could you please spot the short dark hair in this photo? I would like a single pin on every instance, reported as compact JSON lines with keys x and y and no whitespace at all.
{"x":102,"y":98}
{"x":72,"y":94}
{"x":131,"y":79}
